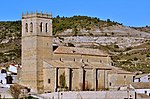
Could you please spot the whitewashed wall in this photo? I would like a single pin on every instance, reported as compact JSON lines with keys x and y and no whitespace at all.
{"x":90,"y":95}
{"x":143,"y":91}
{"x":3,"y":77}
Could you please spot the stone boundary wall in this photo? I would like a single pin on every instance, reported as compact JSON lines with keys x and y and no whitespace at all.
{"x":91,"y":95}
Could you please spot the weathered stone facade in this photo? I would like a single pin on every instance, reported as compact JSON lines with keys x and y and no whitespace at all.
{"x":36,"y":46}
{"x":66,"y":68}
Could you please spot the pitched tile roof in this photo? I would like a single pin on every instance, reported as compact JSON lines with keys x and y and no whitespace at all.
{"x":142,"y":75}
{"x":143,"y":96}
{"x":77,"y":50}
{"x":117,"y":70}
{"x":141,"y":85}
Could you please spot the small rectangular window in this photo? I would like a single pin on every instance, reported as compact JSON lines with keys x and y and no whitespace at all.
{"x":100,"y":61}
{"x":49,"y":81}
{"x":124,"y":76}
{"x":110,"y":84}
{"x":46,"y":25}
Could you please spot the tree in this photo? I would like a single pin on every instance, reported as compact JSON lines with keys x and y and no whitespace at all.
{"x":112,"y":33}
{"x":147,"y":55}
{"x":135,"y":58}
{"x":15,"y":90}
{"x":75,"y":31}
{"x":62,"y":81}
{"x":57,"y":16}
{"x":128,"y":48}
{"x":105,"y":34}
{"x":108,"y":20}
{"x":70,"y":45}
{"x":116,"y":46}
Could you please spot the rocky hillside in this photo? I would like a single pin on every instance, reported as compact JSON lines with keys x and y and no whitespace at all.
{"x":145,"y":29}
{"x":128,"y":47}
{"x":10,"y":42}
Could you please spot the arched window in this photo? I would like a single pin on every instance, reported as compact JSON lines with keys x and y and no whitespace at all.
{"x":31,"y":27}
{"x":46,"y":29}
{"x":41,"y":26}
{"x":26,"y":27}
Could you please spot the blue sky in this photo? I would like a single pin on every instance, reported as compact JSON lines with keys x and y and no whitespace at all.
{"x":128,"y":12}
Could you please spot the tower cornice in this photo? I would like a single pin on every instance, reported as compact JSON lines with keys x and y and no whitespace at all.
{"x":36,"y":15}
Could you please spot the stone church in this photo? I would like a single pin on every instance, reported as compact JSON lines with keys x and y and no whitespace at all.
{"x":49,"y":69}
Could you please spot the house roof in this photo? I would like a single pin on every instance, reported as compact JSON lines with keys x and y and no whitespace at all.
{"x":77,"y":50}
{"x":143,"y":96}
{"x":141,"y":85}
{"x":117,"y":70}
{"x":139,"y":76}
{"x":13,"y":68}
{"x":76,"y":64}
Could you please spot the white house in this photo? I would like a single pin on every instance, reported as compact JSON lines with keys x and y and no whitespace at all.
{"x":13,"y":68}
{"x":15,"y":80}
{"x":2,"y":77}
{"x":141,"y":87}
{"x":142,"y":78}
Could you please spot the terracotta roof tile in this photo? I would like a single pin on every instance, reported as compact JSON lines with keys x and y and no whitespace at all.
{"x":117,"y":70}
{"x":142,"y":75}
{"x":77,"y":50}
{"x":141,"y":85}
{"x":143,"y":96}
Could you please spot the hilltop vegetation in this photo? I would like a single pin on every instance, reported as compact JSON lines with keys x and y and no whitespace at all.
{"x":76,"y":23}
{"x":145,"y":29}
{"x":129,"y":47}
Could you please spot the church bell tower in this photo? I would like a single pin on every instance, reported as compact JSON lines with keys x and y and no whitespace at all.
{"x":36,"y":47}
